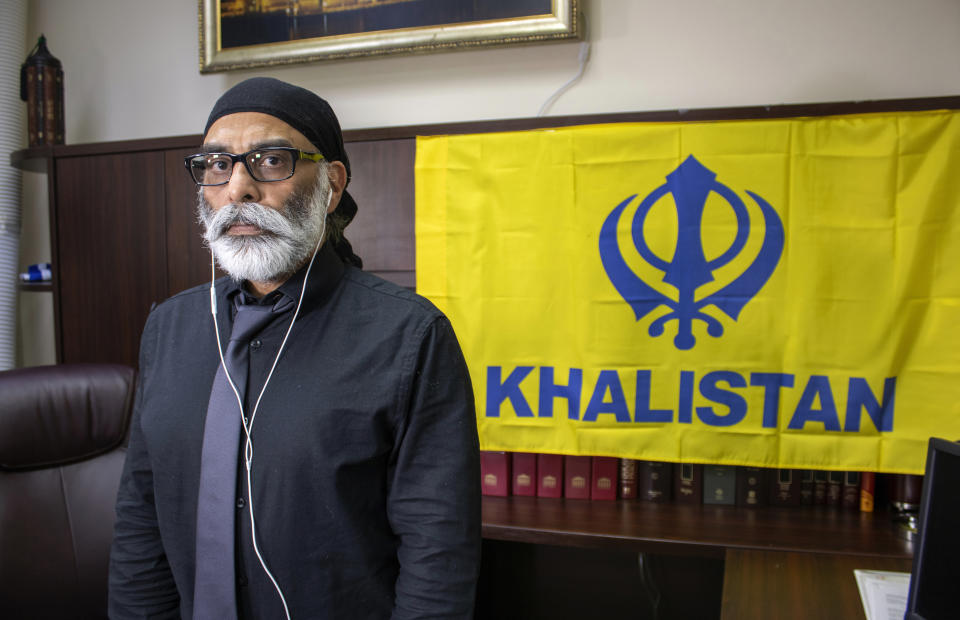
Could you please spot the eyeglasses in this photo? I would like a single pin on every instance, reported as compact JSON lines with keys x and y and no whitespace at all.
{"x":266,"y":165}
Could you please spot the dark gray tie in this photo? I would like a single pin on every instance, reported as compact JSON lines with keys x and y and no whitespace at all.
{"x":215,"y":580}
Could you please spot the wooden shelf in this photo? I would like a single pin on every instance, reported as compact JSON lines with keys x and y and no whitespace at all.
{"x":677,"y":529}
{"x":39,"y":287}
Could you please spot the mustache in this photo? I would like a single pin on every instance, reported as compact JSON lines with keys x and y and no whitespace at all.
{"x":270,"y":221}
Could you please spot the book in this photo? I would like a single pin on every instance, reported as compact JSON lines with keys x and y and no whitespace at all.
{"x":834,"y":488}
{"x":495,"y":473}
{"x":654,"y":481}
{"x":784,"y":487}
{"x":603,"y":475}
{"x":868,"y":485}
{"x":806,"y":487}
{"x":719,"y":484}
{"x":750,"y":486}
{"x":819,"y":486}
{"x":549,"y":475}
{"x":628,"y":478}
{"x":850,"y":493}
{"x":576,"y":477}
{"x":688,"y":483}
{"x":523,"y":474}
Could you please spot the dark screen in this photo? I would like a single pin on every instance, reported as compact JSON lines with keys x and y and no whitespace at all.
{"x":935,"y":592}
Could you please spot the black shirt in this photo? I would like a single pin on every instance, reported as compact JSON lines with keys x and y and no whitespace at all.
{"x":365,"y":463}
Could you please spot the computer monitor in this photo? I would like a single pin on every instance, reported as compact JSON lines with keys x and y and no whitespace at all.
{"x":934,"y":589}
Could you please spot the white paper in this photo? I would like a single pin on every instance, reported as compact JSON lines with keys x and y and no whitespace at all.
{"x":883,"y":593}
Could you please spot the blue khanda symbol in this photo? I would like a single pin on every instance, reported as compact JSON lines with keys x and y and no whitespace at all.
{"x":689,"y":269}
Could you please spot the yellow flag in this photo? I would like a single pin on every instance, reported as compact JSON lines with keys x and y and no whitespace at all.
{"x":776,"y":293}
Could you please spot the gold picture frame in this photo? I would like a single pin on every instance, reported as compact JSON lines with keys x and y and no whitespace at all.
{"x":241,"y":34}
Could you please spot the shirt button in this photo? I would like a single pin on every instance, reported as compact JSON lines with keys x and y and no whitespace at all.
{"x":240,"y":503}
{"x":255,"y":344}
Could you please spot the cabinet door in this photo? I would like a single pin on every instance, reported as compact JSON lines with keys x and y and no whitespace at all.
{"x":109,"y":214}
{"x":188,"y":261}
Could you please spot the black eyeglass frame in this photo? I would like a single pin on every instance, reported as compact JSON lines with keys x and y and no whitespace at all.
{"x":242,"y":157}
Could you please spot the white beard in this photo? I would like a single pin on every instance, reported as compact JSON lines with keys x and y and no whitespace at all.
{"x":287,"y":239}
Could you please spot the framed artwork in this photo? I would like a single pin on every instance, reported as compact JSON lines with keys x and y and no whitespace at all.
{"x":240,"y":34}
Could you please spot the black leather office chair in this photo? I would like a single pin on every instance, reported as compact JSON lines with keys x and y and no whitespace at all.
{"x":62,"y":435}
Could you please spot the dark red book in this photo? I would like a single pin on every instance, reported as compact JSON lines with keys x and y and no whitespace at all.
{"x":628,"y":479}
{"x":604,"y":478}
{"x":576,"y":477}
{"x":751,"y":487}
{"x":834,"y":488}
{"x":524,"y":474}
{"x":655,"y":481}
{"x":868,"y":489}
{"x":850,"y":493}
{"x":819,"y":486}
{"x":688,"y":483}
{"x":806,"y":487}
{"x":904,"y":491}
{"x":784,"y":487}
{"x":549,"y":475}
{"x":495,"y":473}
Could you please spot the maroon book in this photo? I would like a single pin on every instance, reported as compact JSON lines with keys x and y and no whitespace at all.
{"x":576,"y":477}
{"x":688,"y":483}
{"x":834,"y":488}
{"x":819,"y":486}
{"x":850,"y":494}
{"x":905,"y":491}
{"x":604,"y":478}
{"x":495,"y":473}
{"x":628,"y":479}
{"x":524,"y":474}
{"x":785,"y":487}
{"x":806,"y":487}
{"x":549,"y":475}
{"x":750,"y":486}
{"x":655,"y":481}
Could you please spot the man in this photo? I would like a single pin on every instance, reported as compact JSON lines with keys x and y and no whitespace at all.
{"x":347,"y":484}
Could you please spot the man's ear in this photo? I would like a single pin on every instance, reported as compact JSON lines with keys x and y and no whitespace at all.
{"x":337,"y":173}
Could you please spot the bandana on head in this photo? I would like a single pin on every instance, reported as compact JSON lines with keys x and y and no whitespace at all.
{"x":305,"y":112}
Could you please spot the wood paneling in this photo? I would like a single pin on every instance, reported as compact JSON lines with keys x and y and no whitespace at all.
{"x":111,"y":263}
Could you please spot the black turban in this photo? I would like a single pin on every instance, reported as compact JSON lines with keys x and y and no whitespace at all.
{"x":305,"y":112}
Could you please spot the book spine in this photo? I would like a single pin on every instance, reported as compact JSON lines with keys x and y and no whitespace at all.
{"x":524,"y":474}
{"x":719,"y":484}
{"x":850,"y":494}
{"x":868,"y":486}
{"x":549,"y":475}
{"x":834,"y":488}
{"x":688,"y":483}
{"x":819,"y":487}
{"x":785,"y":487}
{"x":806,"y":487}
{"x":576,"y":477}
{"x":603,"y":475}
{"x":495,"y":473}
{"x":628,"y":478}
{"x":750,"y":486}
{"x":655,"y":479}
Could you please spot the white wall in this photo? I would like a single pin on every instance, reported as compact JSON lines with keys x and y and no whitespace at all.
{"x":131,"y":65}
{"x":131,"y":69}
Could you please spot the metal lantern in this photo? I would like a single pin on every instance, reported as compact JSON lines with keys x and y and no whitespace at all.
{"x":41,"y":86}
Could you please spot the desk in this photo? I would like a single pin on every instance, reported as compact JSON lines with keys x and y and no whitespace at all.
{"x":784,"y":585}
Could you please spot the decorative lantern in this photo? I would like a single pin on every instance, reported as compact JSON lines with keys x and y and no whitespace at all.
{"x":41,"y":86}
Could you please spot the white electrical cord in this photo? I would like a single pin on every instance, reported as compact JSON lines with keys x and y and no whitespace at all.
{"x":248,"y":425}
{"x":583,"y":57}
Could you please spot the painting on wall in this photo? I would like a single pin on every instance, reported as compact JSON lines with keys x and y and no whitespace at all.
{"x":239,"y":34}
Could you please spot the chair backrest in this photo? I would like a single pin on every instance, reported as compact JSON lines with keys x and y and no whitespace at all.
{"x":62,"y":437}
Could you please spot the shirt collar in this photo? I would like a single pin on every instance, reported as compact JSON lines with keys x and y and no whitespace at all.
{"x":324,"y":276}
